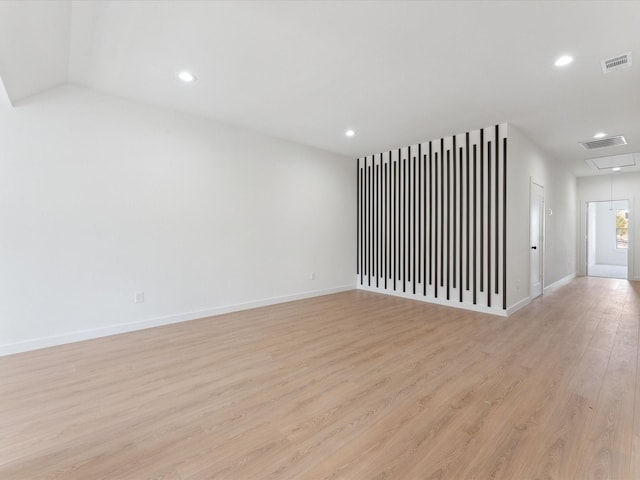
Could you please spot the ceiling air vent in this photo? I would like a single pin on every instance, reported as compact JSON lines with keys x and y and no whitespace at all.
{"x":604,"y":142}
{"x":626,"y":160}
{"x":616,"y":63}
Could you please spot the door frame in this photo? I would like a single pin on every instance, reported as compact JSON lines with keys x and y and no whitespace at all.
{"x":541,"y":246}
{"x":584,"y":234}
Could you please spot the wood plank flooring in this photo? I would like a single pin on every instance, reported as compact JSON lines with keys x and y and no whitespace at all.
{"x":355,"y":385}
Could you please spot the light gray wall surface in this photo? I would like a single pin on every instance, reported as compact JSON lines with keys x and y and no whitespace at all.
{"x":101,"y":198}
{"x":528,"y":162}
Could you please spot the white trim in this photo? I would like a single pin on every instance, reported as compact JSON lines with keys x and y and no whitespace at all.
{"x":78,"y":336}
{"x":560,"y":283}
{"x":521,"y":304}
{"x":447,"y":303}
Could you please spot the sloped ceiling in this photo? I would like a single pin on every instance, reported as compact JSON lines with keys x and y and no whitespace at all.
{"x":396,"y":72}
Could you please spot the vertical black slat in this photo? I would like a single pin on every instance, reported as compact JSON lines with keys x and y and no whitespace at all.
{"x":373,"y":217}
{"x":399,"y":213}
{"x":358,"y":217}
{"x":448,"y":213}
{"x":380,"y":224}
{"x":399,"y":218}
{"x":365,"y":226}
{"x":482,"y":210}
{"x":424,"y":224}
{"x":392,"y":220}
{"x":442,"y":212}
{"x":380,"y":229}
{"x":412,"y":220}
{"x":396,"y":223}
{"x":497,"y":212}
{"x":370,"y":221}
{"x":365,"y":206}
{"x":489,"y":194}
{"x":460,"y":217}
{"x":430,"y":215}
{"x":407,"y":226}
{"x":385,"y":213}
{"x":409,"y":231}
{"x":388,"y":251}
{"x":365,"y":235}
{"x":454,"y":212}
{"x":376,"y":180}
{"x":394,"y":247}
{"x":381,"y":241}
{"x":414,"y":223}
{"x":436,"y":215}
{"x":467,"y":181}
{"x":475,"y":225}
{"x":404,"y":224}
{"x":419,"y":196}
{"x":504,"y":223}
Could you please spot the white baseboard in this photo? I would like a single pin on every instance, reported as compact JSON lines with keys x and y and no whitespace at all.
{"x":422,"y":298}
{"x":78,"y":336}
{"x":464,"y":305}
{"x":560,"y":283}
{"x":521,"y":304}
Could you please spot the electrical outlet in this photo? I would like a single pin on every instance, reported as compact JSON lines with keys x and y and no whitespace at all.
{"x":139,"y":298}
{"x":312,"y":276}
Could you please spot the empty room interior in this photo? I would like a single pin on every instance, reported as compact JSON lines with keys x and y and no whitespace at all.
{"x":319,"y":240}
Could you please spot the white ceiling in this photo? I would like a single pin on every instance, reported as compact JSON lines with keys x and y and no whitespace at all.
{"x":396,"y":72}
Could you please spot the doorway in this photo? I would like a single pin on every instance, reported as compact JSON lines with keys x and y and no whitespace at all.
{"x":608,"y":239}
{"x":536,"y":239}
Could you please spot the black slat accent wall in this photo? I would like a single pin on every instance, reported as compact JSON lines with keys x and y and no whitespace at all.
{"x":432,"y":220}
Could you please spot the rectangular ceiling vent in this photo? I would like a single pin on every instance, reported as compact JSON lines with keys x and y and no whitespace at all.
{"x":626,"y":160}
{"x":604,"y":142}
{"x":616,"y":63}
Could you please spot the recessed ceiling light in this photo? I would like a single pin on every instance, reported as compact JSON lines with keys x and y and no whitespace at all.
{"x":600,"y":135}
{"x":563,"y":60}
{"x":186,"y":76}
{"x":349,"y":133}
{"x":616,"y":169}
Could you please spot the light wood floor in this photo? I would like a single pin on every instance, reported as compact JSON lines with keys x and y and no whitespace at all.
{"x":349,"y":386}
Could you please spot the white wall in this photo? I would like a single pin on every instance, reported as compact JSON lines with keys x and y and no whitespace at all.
{"x":593,"y":238}
{"x":101,"y":198}
{"x":606,"y":251}
{"x":624,"y":186}
{"x":527,"y":162}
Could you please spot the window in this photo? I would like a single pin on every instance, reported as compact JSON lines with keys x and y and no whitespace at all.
{"x":622,"y":229}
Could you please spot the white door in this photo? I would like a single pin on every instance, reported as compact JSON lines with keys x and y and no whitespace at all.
{"x":536,"y":244}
